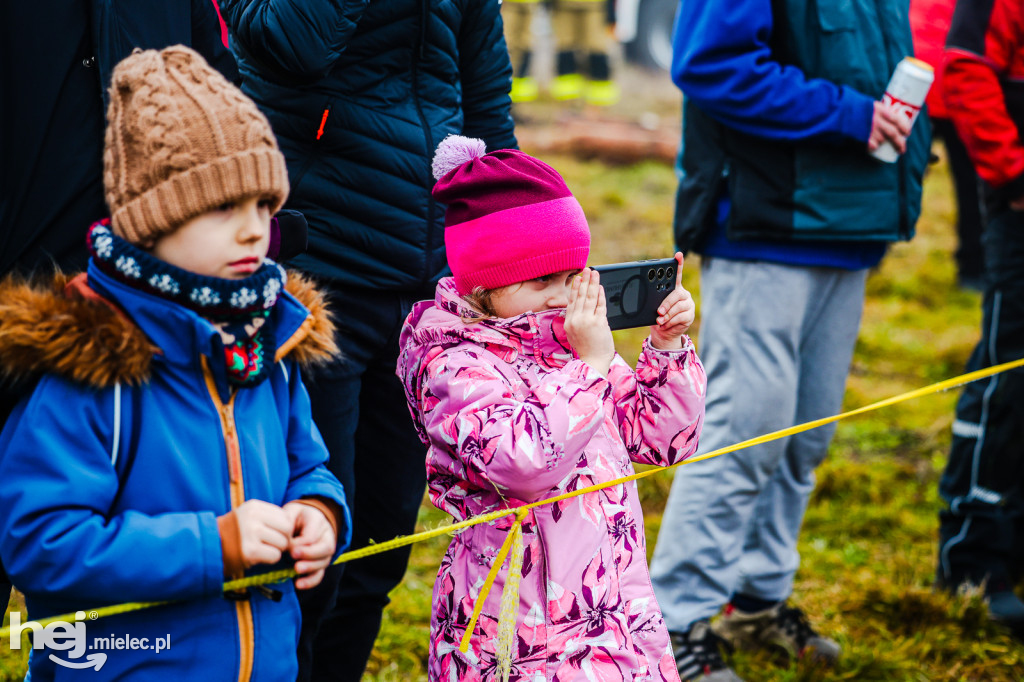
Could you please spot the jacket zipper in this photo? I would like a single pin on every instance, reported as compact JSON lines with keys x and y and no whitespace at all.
{"x":243,"y":608}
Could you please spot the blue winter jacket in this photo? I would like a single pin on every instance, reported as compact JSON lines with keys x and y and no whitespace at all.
{"x":359,"y":95}
{"x":116,"y":468}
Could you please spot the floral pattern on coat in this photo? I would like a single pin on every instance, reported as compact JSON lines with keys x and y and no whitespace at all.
{"x":512,"y":416}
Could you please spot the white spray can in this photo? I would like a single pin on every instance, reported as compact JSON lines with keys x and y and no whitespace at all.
{"x":906,"y":93}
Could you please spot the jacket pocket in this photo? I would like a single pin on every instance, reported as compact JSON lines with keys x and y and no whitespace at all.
{"x":836,"y":15}
{"x":848,"y":44}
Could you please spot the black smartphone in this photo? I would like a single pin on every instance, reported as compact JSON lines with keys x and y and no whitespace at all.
{"x":633,"y":291}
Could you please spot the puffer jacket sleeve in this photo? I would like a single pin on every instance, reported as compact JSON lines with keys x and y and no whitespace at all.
{"x":486,"y":76}
{"x":660,"y":406}
{"x":300,"y":37}
{"x":59,"y":483}
{"x":307,"y":457}
{"x":521,"y":447}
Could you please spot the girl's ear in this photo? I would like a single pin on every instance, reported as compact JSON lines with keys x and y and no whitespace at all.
{"x":147,"y":244}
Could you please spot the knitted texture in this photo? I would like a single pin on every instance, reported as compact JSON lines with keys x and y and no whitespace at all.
{"x":211,"y":297}
{"x":454,"y":151}
{"x":510,"y":217}
{"x":239,"y":309}
{"x":181,"y":140}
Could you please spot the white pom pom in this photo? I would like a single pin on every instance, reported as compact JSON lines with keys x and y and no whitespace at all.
{"x":454,"y":151}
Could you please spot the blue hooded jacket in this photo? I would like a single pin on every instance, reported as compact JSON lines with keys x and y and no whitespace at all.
{"x":116,"y":468}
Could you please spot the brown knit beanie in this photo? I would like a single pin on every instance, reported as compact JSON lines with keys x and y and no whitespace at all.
{"x":181,"y":141}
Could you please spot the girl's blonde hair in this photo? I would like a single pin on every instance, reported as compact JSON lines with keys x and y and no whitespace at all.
{"x":482,"y":300}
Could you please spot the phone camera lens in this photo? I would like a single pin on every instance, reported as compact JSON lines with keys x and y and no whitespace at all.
{"x":670,"y":273}
{"x":661,"y":273}
{"x":650,"y":275}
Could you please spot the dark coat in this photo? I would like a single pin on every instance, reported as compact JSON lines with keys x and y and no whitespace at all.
{"x":359,"y":95}
{"x":55,"y":65}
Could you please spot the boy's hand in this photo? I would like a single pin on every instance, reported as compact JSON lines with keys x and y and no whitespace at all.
{"x":586,"y":322}
{"x":312,"y":543}
{"x":265,"y":531}
{"x":675,"y":314}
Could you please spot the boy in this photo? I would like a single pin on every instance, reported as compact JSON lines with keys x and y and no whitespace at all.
{"x":168,"y":445}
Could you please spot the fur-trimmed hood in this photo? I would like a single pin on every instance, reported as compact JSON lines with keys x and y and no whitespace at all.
{"x":63,"y":327}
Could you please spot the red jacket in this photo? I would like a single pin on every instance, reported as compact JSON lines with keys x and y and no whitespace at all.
{"x":983,"y":67}
{"x":929,"y":23}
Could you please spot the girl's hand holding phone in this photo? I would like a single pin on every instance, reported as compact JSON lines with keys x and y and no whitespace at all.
{"x":586,"y":322}
{"x":675,"y":314}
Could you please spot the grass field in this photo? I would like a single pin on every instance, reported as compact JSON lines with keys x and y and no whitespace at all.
{"x":869,"y":540}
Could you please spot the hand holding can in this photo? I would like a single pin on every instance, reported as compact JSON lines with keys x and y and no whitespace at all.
{"x":905,"y":95}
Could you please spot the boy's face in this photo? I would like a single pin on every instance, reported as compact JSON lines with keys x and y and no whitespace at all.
{"x":229,"y":242}
{"x":536,"y":295}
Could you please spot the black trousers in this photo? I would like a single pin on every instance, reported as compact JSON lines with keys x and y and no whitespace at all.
{"x":970,"y":259}
{"x":360,"y":408}
{"x":981,"y":532}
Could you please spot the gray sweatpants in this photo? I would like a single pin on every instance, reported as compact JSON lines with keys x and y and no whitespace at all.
{"x":776,"y":342}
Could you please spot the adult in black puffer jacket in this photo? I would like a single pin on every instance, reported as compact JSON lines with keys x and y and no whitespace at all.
{"x":359,"y":95}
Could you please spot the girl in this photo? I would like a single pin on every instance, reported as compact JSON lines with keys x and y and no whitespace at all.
{"x":513,"y":382}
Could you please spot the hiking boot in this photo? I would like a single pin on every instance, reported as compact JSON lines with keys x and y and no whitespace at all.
{"x":567,"y":86}
{"x":603,"y":93}
{"x":524,"y":89}
{"x":782,"y":626}
{"x":698,"y":656}
{"x":1004,"y":606}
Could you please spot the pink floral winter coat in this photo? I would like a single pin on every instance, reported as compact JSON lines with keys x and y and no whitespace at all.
{"x":511,"y":417}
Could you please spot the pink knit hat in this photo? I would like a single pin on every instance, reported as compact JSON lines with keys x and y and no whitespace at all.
{"x":510,"y":217}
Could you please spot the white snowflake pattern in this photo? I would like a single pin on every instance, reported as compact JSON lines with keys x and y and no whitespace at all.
{"x":164,"y":283}
{"x":205,"y":296}
{"x":104,"y":246}
{"x":103,"y":242}
{"x":270,"y":292}
{"x":128,"y":266}
{"x":243,"y":297}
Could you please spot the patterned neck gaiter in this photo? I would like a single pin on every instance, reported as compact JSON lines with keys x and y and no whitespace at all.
{"x":238,"y":308}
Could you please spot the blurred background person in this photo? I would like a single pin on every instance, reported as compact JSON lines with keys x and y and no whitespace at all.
{"x":518,"y":17}
{"x":929,"y":22}
{"x":582,"y":65}
{"x":359,"y":95}
{"x":981,"y":532}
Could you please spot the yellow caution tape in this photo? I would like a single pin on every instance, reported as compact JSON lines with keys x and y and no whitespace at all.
{"x":403,"y":541}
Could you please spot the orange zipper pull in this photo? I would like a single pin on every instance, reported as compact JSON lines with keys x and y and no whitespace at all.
{"x":323,"y":122}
